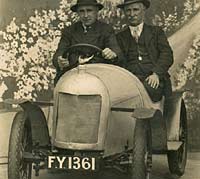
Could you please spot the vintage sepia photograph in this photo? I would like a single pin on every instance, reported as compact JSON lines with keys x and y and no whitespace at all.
{"x":99,"y":89}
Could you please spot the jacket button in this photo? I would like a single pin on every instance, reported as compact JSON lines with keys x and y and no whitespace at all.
{"x":140,"y":58}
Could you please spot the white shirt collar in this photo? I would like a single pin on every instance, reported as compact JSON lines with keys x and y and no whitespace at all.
{"x":138,"y":27}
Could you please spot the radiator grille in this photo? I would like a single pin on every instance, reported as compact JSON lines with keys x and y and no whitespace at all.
{"x":78,"y":118}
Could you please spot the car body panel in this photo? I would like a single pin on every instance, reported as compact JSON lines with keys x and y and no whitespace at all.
{"x":114,"y":87}
{"x":117,"y":88}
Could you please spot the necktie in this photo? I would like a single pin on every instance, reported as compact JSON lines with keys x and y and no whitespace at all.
{"x":86,"y":28}
{"x":135,"y":33}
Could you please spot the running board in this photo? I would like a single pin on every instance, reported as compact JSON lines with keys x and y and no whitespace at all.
{"x":174,"y":145}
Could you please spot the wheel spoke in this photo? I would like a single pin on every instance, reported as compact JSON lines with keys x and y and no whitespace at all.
{"x":24,"y":166}
{"x":148,"y":175}
{"x":20,"y":142}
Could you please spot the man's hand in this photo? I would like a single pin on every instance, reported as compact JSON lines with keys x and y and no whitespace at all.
{"x":153,"y":80}
{"x":62,"y":62}
{"x":108,"y":54}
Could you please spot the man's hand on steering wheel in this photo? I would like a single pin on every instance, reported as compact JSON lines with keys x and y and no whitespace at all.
{"x":62,"y":62}
{"x":108,"y":54}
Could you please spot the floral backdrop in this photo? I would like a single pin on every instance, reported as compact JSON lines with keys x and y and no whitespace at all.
{"x":188,"y":78}
{"x":27,"y":52}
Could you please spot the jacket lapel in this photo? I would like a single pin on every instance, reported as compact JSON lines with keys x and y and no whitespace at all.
{"x":148,"y":34}
{"x":78,"y":32}
{"x":127,"y":37}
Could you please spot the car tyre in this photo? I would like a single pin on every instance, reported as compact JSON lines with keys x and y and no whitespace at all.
{"x":141,"y":150}
{"x":177,"y":159}
{"x":20,"y":142}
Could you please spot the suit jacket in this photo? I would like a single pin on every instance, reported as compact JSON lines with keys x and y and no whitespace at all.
{"x":99,"y":34}
{"x":157,"y":45}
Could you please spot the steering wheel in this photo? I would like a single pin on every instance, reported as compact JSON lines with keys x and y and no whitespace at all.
{"x":75,"y":51}
{"x":84,"y":52}
{"x":77,"y":47}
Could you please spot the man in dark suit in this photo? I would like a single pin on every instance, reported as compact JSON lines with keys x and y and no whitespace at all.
{"x":146,"y":49}
{"x":87,"y":30}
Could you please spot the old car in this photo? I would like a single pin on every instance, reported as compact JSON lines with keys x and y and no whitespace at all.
{"x":102,"y":118}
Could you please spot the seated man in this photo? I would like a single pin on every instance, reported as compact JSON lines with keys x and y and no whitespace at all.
{"x":88,"y":30}
{"x":146,"y":49}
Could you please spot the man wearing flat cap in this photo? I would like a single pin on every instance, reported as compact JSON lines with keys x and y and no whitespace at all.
{"x":146,"y":49}
{"x":87,"y":30}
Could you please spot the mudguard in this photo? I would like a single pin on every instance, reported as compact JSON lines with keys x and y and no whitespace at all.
{"x":37,"y":120}
{"x":158,"y":127}
{"x":172,"y":114}
{"x":159,"y":133}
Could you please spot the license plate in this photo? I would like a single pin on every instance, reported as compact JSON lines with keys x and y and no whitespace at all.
{"x":72,"y":163}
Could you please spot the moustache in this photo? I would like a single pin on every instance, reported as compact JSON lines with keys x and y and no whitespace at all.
{"x":86,"y":19}
{"x":133,"y":18}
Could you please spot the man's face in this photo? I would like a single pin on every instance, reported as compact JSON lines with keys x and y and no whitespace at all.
{"x":134,"y":13}
{"x":88,"y":14}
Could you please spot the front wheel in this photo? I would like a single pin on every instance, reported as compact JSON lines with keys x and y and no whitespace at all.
{"x":141,"y":156}
{"x":20,"y":142}
{"x":177,"y":159}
